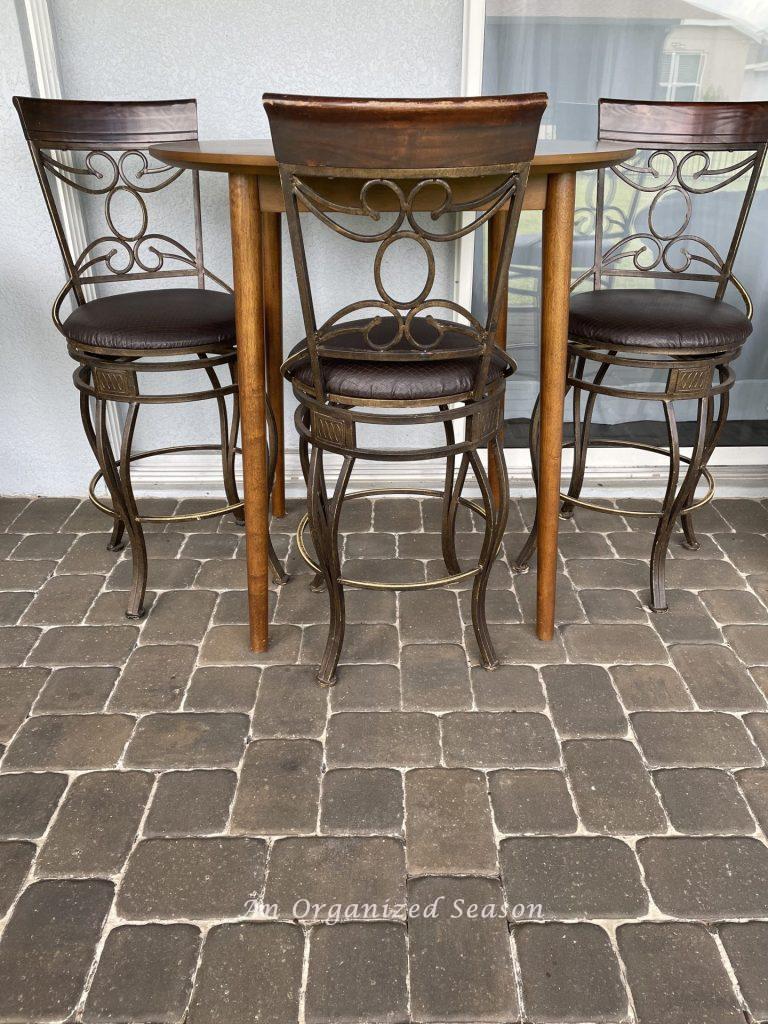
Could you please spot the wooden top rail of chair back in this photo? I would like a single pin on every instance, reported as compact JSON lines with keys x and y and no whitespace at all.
{"x":85,"y":124}
{"x":683,"y":125}
{"x":444,"y":134}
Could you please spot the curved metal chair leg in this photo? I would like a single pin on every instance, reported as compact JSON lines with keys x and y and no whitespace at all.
{"x":228,"y":437}
{"x":116,"y":542}
{"x":674,"y":503}
{"x":521,"y":564}
{"x":664,"y":528}
{"x":581,"y":432}
{"x":495,"y":523}
{"x":714,"y":429}
{"x":118,"y":481}
{"x":448,"y":522}
{"x":450,"y":510}
{"x":502,"y":510}
{"x":324,"y":520}
{"x":675,"y":500}
{"x":304,"y":446}
{"x":138,"y":550}
{"x":575,"y":370}
{"x":230,"y":480}
{"x":690,"y":540}
{"x":279,"y":574}
{"x":318,"y":580}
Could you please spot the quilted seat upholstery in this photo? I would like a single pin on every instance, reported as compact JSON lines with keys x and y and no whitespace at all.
{"x":656,"y":318}
{"x":430,"y":377}
{"x":159,"y":319}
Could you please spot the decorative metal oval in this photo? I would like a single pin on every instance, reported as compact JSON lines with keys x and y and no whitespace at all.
{"x":654,"y":207}
{"x":403,"y":303}
{"x":108,"y":213}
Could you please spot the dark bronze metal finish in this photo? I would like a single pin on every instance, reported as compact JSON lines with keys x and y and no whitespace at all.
{"x":100,"y":150}
{"x":413,"y":187}
{"x":683,"y":152}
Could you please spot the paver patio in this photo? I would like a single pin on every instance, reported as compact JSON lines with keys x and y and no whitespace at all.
{"x":588,"y":823}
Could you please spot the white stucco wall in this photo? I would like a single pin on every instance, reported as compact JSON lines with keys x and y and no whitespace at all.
{"x":42,"y":446}
{"x":226,"y":53}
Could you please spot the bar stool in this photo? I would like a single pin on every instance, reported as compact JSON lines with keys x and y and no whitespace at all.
{"x":403,"y":168}
{"x":692,"y":337}
{"x":117,"y":338}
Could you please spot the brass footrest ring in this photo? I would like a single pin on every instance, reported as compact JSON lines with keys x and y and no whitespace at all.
{"x":210,"y":514}
{"x":594,"y":507}
{"x":371,"y":584}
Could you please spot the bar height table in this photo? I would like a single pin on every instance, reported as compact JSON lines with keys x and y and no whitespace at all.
{"x":256,"y":202}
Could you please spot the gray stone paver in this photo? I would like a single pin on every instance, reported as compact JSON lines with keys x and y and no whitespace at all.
{"x":157,"y":781}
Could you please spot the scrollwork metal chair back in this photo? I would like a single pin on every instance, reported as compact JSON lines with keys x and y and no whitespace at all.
{"x":687,"y":164}
{"x":99,"y":150}
{"x":429,"y":181}
{"x":404,"y":343}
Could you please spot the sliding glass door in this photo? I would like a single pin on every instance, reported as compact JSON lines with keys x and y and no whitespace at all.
{"x":578,"y":51}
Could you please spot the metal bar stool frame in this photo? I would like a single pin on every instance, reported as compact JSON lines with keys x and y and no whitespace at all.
{"x":677,"y":160}
{"x":365,"y":159}
{"x":111,"y":140}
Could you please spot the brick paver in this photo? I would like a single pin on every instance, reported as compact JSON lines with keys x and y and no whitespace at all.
{"x":191,"y":878}
{"x":144,"y":973}
{"x":249,"y":972}
{"x":613,"y":791}
{"x":183,"y":822}
{"x":681,"y":961}
{"x":357,"y":972}
{"x":460,"y":966}
{"x":747,"y":947}
{"x":96,"y":824}
{"x":449,"y":823}
{"x":279,"y":788}
{"x":569,"y":972}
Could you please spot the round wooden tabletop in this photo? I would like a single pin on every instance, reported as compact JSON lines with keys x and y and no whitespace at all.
{"x":256,"y":156}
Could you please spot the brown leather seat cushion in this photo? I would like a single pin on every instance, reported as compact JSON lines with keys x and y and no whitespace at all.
{"x":656,"y":318}
{"x":160,"y":319}
{"x":427,"y":378}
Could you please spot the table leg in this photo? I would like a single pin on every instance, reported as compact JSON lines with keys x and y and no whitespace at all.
{"x":273,"y":326}
{"x":495,"y":238}
{"x":249,"y":319}
{"x":555,"y":293}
